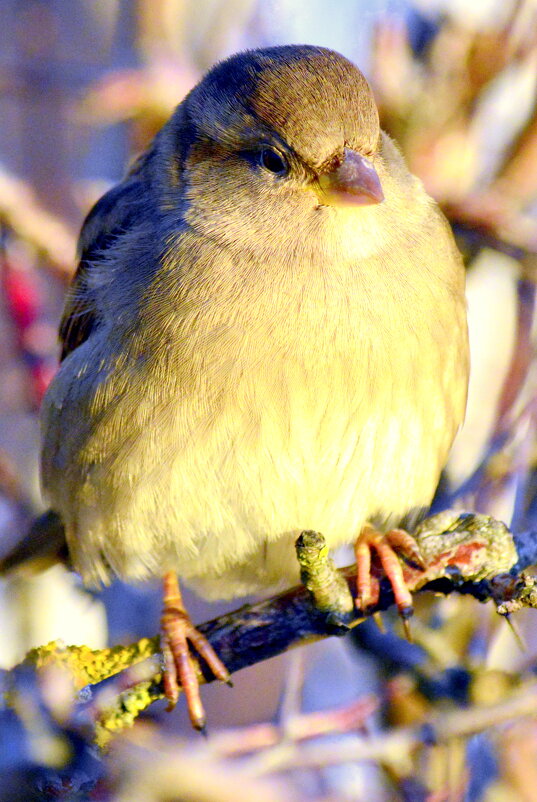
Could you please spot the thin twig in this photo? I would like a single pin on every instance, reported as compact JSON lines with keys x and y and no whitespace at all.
{"x":395,"y":748}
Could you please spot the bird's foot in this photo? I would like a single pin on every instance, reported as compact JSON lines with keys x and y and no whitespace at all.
{"x":178,"y":634}
{"x":386,"y":547}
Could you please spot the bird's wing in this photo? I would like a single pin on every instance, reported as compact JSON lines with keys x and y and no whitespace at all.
{"x":112,"y":216}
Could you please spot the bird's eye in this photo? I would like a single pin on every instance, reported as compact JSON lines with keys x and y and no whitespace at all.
{"x":273,"y":161}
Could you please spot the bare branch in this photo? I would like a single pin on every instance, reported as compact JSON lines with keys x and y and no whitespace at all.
{"x":464,"y":552}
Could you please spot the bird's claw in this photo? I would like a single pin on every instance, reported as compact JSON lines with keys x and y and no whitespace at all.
{"x":178,"y":634}
{"x":386,"y":547}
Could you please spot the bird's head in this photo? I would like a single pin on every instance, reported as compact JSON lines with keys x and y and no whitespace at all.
{"x":278,"y":147}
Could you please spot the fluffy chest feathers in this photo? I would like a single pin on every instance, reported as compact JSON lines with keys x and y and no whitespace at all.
{"x":309,"y":399}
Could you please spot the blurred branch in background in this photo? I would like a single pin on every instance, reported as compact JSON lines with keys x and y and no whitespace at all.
{"x":468,"y":93}
{"x":49,"y":236}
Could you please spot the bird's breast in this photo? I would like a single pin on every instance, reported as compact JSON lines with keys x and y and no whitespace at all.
{"x":316,"y":411}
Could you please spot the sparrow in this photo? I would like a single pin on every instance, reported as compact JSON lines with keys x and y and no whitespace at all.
{"x":266,"y":333}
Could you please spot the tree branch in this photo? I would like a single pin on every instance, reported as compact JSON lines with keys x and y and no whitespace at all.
{"x":463,"y":552}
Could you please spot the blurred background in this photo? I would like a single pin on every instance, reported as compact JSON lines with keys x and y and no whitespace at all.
{"x":84,"y":85}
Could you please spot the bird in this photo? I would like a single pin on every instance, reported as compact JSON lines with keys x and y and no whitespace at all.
{"x":266,"y":333}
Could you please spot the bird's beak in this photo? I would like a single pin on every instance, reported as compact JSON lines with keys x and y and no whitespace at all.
{"x":354,"y":182}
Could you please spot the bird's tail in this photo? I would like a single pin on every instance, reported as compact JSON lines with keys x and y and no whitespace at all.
{"x":42,"y":546}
